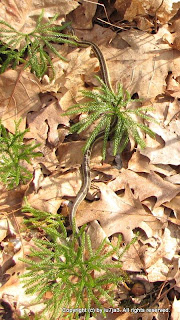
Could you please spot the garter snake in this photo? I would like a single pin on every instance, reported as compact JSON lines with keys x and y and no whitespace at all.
{"x":85,"y":167}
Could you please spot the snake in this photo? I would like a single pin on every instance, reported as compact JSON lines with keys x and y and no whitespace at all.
{"x":85,"y":167}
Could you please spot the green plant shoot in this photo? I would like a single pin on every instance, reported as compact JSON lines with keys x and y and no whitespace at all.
{"x":31,"y":49}
{"x":13,"y":152}
{"x":60,"y":267}
{"x":104,"y":107}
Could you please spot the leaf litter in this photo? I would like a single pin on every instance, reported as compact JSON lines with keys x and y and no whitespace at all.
{"x":144,"y":194}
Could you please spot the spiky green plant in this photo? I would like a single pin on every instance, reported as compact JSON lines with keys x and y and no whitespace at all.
{"x":12,"y":152}
{"x":60,"y":268}
{"x":40,"y":219}
{"x":33,"y":44}
{"x":107,"y":106}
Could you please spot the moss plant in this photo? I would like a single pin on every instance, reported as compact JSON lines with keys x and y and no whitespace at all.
{"x":33,"y":44}
{"x":12,"y":152}
{"x":64,"y":272}
{"x":105,"y":106}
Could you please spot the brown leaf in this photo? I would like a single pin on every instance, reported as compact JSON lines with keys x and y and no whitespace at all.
{"x":72,"y":75}
{"x":23,"y":19}
{"x":117,"y":215}
{"x":172,"y":111}
{"x":48,"y":163}
{"x":52,"y":189}
{"x":139,"y":61}
{"x":175,"y":314}
{"x":96,"y":234}
{"x":160,"y":257}
{"x":87,"y":9}
{"x":170,"y":152}
{"x":12,"y":291}
{"x":145,"y":186}
{"x":137,"y":8}
{"x":11,"y":201}
{"x":44,"y":123}
{"x":70,"y":154}
{"x":174,"y":204}
{"x":140,"y":163}
{"x":174,"y":179}
{"x":19,"y":94}
{"x":3,"y":228}
{"x":132,"y":260}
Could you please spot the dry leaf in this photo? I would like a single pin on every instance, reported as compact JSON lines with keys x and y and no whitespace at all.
{"x":23,"y":17}
{"x":3,"y":228}
{"x":145,"y":186}
{"x":132,"y":260}
{"x":116,"y":215}
{"x":70,"y":154}
{"x":144,"y":7}
{"x":140,"y":163}
{"x":170,"y":152}
{"x":44,"y":123}
{"x":159,"y":254}
{"x":175,"y":314}
{"x":138,"y":60}
{"x":174,"y":204}
{"x":83,"y":15}
{"x":96,"y":234}
{"x":11,"y":201}
{"x":19,"y":95}
{"x":52,"y":189}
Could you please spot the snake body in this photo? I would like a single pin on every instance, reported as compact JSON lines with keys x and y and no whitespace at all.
{"x":86,"y":180}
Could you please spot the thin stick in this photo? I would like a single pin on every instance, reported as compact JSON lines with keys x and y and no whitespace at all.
{"x":105,"y":22}
{"x":100,"y":4}
{"x":111,"y":24}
